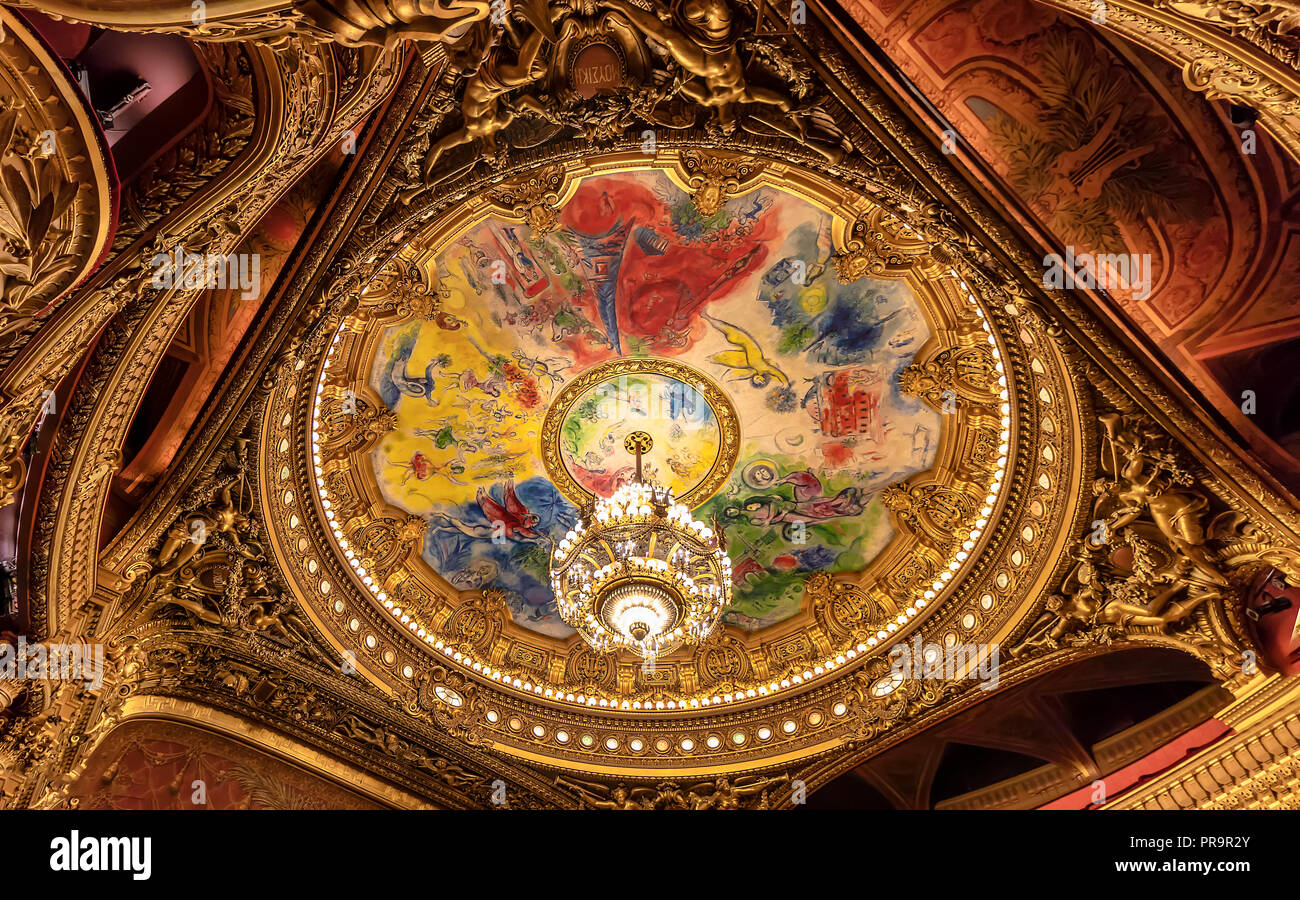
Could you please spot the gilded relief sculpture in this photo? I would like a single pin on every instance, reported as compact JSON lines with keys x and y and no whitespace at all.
{"x":524,"y":67}
{"x":745,"y":793}
{"x":703,"y":38}
{"x":349,"y":22}
{"x":504,"y":63}
{"x":1157,"y":553}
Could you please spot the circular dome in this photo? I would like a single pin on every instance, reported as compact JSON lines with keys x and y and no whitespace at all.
{"x":820,"y":390}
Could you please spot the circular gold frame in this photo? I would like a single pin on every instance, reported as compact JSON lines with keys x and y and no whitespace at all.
{"x":719,"y":402}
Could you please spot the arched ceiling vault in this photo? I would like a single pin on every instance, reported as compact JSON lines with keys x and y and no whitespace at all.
{"x":1080,"y":722}
{"x":303,"y":116}
{"x":570,"y":221}
{"x":1099,"y":146}
{"x":58,"y":224}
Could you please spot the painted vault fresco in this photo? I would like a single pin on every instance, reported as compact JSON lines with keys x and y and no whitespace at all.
{"x":634,"y":270}
{"x":1112,"y":153}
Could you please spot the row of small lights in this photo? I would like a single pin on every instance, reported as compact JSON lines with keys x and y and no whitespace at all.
{"x":613,"y":744}
{"x":827,"y":665}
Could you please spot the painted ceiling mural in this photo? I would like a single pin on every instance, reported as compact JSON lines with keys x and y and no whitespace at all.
{"x":159,"y":765}
{"x":740,"y":302}
{"x":1111,"y":153}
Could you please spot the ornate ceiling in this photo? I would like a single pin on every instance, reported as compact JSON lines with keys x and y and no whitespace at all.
{"x":1104,"y":145}
{"x":735,"y":231}
{"x":450,"y":400}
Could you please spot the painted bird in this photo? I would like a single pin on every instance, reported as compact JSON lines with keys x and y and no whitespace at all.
{"x":747,"y":359}
{"x":514,"y":516}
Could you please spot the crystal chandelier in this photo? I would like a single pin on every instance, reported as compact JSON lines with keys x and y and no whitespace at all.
{"x":638,"y":573}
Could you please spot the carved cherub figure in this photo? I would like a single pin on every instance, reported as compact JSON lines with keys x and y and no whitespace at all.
{"x":1142,"y":599}
{"x":1131,"y":604}
{"x":448,"y":773}
{"x":428,"y":20}
{"x":227,"y":514}
{"x":276,"y":618}
{"x":191,"y":601}
{"x":599,"y":796}
{"x":499,"y":70}
{"x":701,"y":37}
{"x":129,"y":659}
{"x":722,"y":794}
{"x":1146,"y":482}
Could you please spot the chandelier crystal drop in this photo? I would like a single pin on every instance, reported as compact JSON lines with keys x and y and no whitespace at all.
{"x":638,"y":572}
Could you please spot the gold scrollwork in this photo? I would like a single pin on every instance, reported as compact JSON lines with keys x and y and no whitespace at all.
{"x":714,"y":178}
{"x":722,"y":663}
{"x":1162,"y":563}
{"x":476,"y":623}
{"x":936,"y":511}
{"x":880,"y":245}
{"x":953,"y":376}
{"x":843,"y":609}
{"x":535,"y":199}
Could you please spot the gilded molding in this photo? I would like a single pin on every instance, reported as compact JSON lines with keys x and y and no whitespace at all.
{"x":714,"y":396}
{"x":786,"y":657}
{"x":57,"y":214}
{"x":56,"y":211}
{"x":276,"y":22}
{"x":49,"y":354}
{"x":257,"y":624}
{"x":298,"y":127}
{"x":1256,"y":767}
